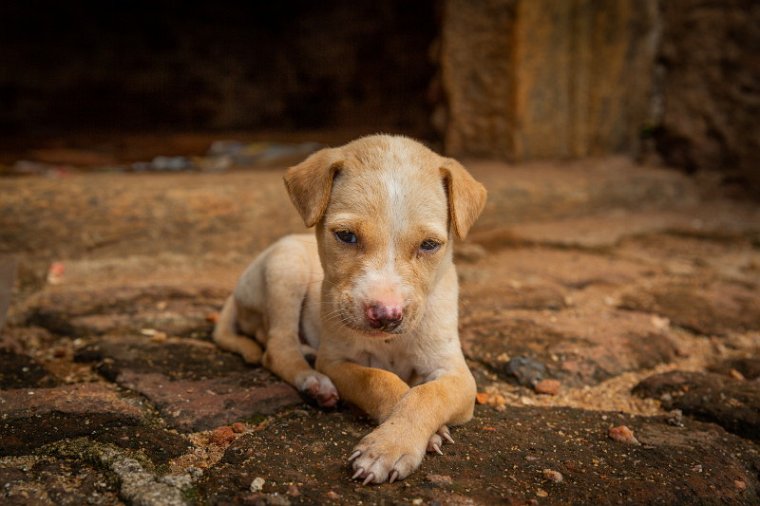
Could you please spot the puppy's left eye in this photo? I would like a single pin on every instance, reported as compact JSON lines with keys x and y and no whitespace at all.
{"x":346,"y":236}
{"x":429,"y":245}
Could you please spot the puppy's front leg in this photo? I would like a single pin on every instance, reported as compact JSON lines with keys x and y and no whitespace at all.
{"x":374,"y":391}
{"x":397,"y":446}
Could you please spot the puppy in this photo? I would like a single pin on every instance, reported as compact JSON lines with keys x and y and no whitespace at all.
{"x":373,"y":293}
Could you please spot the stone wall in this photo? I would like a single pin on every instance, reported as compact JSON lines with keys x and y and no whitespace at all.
{"x":711,"y":88}
{"x":477,"y":65}
{"x":540,"y":78}
{"x":526,"y":79}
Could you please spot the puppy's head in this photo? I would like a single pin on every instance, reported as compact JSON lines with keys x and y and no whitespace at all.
{"x":385,"y":208}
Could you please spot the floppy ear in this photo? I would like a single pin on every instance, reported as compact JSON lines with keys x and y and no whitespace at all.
{"x":467,"y":197}
{"x":309,"y":184}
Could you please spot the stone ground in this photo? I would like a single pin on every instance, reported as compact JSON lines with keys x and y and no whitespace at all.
{"x":595,"y":295}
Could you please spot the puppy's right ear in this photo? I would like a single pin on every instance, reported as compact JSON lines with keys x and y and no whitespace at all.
{"x":310,"y":182}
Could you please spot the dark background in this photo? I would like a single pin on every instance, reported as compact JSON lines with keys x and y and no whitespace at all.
{"x":166,"y":64}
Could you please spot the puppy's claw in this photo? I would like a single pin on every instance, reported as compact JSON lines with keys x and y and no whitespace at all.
{"x":358,"y":473}
{"x":437,"y":449}
{"x":394,"y":476}
{"x":354,"y":455}
{"x":447,"y":437}
{"x":369,"y":478}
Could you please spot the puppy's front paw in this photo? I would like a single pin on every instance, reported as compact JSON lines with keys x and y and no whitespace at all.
{"x":383,"y":456}
{"x":320,"y":388}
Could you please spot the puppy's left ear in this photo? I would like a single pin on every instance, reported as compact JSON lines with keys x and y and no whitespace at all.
{"x":467,"y":197}
{"x":310,"y":182}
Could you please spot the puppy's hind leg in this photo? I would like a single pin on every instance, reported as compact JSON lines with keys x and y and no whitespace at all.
{"x":227,"y":337}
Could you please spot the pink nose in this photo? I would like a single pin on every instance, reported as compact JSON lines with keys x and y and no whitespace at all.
{"x":383,"y":316}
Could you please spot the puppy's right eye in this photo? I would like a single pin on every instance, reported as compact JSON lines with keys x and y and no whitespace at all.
{"x":346,"y":236}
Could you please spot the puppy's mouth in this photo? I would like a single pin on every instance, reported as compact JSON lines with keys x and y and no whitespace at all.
{"x":383,"y":333}
{"x":365,"y":328}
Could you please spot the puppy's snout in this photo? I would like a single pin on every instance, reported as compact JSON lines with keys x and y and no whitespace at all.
{"x":384,"y":316}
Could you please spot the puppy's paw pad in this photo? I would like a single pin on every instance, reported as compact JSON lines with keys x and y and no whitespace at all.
{"x":321,"y":389}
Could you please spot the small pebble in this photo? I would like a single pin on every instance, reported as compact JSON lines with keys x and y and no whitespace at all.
{"x":542,"y":493}
{"x":238,"y":427}
{"x":740,"y":484}
{"x":623,"y":434}
{"x":55,"y":273}
{"x":293,"y":491}
{"x":257,"y":485}
{"x":159,"y":337}
{"x":527,"y":371}
{"x":439,"y":479}
{"x":553,"y":475}
{"x":417,"y":501}
{"x":547,"y":387}
{"x":736,"y":374}
{"x":333,"y":495}
{"x":222,"y":436}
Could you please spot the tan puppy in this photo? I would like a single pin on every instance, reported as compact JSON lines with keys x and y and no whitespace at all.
{"x":375,"y":293}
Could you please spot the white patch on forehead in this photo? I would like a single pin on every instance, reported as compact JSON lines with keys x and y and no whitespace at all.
{"x":397,"y":211}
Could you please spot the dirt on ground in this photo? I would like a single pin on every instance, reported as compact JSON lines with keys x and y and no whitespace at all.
{"x":610,"y":314}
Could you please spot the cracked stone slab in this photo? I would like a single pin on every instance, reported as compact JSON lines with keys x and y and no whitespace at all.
{"x":22,"y":371}
{"x":30,"y":418}
{"x":193,"y":405}
{"x":194,"y":385}
{"x":578,"y":348}
{"x":173,"y":310}
{"x":158,"y":444}
{"x":307,"y":451}
{"x":592,"y":232}
{"x":748,"y":367}
{"x":137,"y":484}
{"x":48,"y":480}
{"x":706,"y":307}
{"x":731,"y":403}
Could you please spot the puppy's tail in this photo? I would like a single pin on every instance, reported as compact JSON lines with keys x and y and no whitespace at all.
{"x":226,"y":335}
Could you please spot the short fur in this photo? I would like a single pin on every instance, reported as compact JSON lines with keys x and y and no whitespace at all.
{"x":308,"y":293}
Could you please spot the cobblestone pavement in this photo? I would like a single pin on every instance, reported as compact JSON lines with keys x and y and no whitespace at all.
{"x":610,"y":313}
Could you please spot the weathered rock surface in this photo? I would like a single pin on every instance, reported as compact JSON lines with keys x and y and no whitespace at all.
{"x":33,"y":417}
{"x":746,"y":367}
{"x":172,"y":310}
{"x":48,"y":480}
{"x":194,"y":385}
{"x":733,"y":404}
{"x":579,"y":349}
{"x":684,"y":465}
{"x":22,"y":371}
{"x":123,"y":337}
{"x":712,"y":308}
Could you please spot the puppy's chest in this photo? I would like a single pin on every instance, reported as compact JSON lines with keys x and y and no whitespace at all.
{"x":390,"y":355}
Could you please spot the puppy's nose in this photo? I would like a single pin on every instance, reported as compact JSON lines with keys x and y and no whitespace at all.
{"x":384,"y":317}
